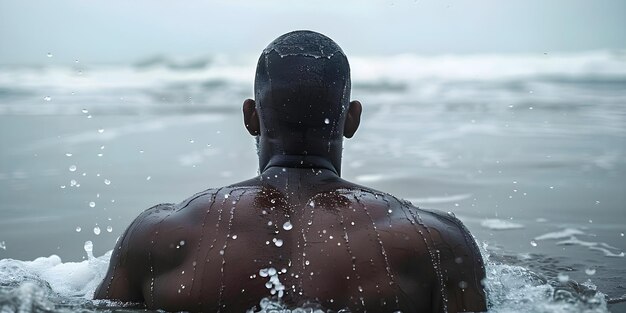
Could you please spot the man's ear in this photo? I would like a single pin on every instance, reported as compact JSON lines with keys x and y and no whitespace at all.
{"x":353,"y":119}
{"x":251,"y":118}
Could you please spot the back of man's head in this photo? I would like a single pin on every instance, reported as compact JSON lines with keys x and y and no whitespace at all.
{"x":302,"y":87}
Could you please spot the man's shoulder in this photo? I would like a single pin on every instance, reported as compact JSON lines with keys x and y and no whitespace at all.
{"x":454,"y":251}
{"x":440,"y":219}
{"x":212,"y":197}
{"x":446,"y":230}
{"x":137,"y":232}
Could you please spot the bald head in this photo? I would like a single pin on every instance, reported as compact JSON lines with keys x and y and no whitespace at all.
{"x":302,"y":106}
{"x":302,"y":86}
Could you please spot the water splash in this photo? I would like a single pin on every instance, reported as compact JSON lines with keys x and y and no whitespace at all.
{"x":513,"y":288}
{"x":47,"y":284}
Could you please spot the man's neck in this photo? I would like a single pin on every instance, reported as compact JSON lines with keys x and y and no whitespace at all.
{"x":310,"y":153}
{"x":300,"y":161}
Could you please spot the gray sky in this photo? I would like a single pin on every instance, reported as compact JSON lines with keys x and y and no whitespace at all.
{"x":122,"y":31}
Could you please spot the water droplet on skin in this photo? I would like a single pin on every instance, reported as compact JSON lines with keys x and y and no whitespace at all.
{"x":89,"y":116}
{"x":72,"y":168}
{"x":226,"y":196}
{"x":68,"y":154}
{"x":49,"y":55}
{"x":181,"y":243}
{"x":221,"y":252}
{"x":107,"y":182}
{"x":96,"y":230}
{"x":85,"y":111}
{"x":269,"y":223}
{"x":73,"y":182}
{"x":533,"y":243}
{"x":47,"y":98}
{"x":234,"y":237}
{"x":307,"y":262}
{"x":109,"y":228}
{"x":92,"y":204}
{"x":562,"y":278}
{"x":263,"y":272}
{"x":191,"y":141}
{"x":326,"y":121}
{"x":278,"y":242}
{"x":590,"y":271}
{"x":287,"y":226}
{"x":621,"y":234}
{"x":149,"y":177}
{"x":78,"y":229}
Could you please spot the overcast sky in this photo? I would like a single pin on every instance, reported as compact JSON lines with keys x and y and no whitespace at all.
{"x":122,"y":31}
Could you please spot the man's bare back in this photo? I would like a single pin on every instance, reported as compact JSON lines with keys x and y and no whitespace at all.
{"x":330,"y":241}
{"x":297,"y":232}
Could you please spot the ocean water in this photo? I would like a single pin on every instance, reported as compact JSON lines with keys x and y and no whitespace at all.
{"x":527,"y":150}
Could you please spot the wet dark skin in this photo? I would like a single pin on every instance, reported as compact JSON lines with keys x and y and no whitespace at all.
{"x":349,"y":246}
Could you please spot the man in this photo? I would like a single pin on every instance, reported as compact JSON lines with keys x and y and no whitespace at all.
{"x":297,"y":232}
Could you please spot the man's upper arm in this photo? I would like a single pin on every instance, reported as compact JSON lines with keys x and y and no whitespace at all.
{"x":129,"y":260}
{"x":462,"y":268}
